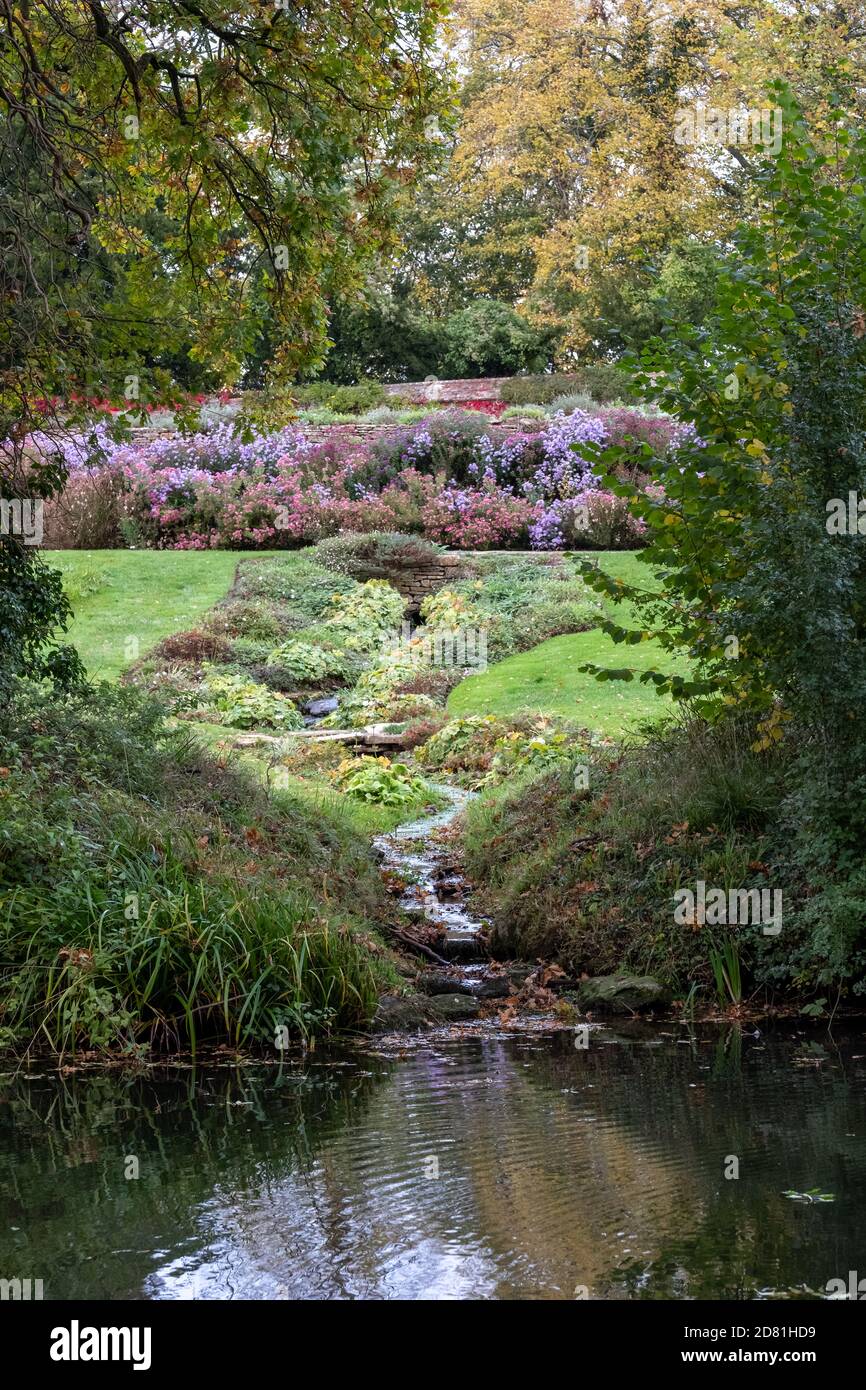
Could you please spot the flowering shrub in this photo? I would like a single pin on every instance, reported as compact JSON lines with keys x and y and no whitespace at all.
{"x":453,"y":478}
{"x":477,"y":518}
{"x":594,"y":518}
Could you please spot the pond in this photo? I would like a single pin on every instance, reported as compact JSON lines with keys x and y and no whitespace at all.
{"x":489,"y":1168}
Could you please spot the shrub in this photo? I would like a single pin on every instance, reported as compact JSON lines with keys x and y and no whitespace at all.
{"x":244,"y":704}
{"x":463,"y":744}
{"x":342,"y":400}
{"x":379,"y":781}
{"x":602,"y":381}
{"x":477,"y":518}
{"x":366,"y":615}
{"x":524,"y":412}
{"x":245,"y":905}
{"x":376,"y":554}
{"x":569,"y":403}
{"x":591,"y":520}
{"x":194,"y":647}
{"x":87,"y":514}
{"x":445,"y":441}
{"x":307,"y":662}
{"x":252,"y":618}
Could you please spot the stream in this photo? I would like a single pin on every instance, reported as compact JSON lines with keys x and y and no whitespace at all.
{"x":483,"y":1166}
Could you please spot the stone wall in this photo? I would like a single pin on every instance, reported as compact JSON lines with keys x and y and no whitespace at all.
{"x":416,"y":582}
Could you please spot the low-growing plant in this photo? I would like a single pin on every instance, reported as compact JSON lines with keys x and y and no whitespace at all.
{"x":307,"y":662}
{"x":463,"y":744}
{"x":364,"y":616}
{"x":244,"y":704}
{"x":379,"y":781}
{"x":194,"y":647}
{"x":375,"y":554}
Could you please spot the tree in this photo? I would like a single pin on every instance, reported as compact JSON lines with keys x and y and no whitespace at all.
{"x":765,"y":576}
{"x":171,"y":171}
{"x":568,"y":193}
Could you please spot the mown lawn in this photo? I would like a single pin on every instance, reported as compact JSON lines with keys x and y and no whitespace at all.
{"x":126,"y":600}
{"x":548,"y":679}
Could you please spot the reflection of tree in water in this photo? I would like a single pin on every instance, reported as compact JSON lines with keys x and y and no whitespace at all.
{"x":86,"y":1229}
{"x":791,"y":1118}
{"x":554,"y":1168}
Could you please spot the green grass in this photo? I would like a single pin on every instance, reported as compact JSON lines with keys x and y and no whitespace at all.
{"x":121,"y":598}
{"x":548,"y":677}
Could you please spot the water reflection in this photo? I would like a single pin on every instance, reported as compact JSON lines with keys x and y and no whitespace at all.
{"x":485,"y":1169}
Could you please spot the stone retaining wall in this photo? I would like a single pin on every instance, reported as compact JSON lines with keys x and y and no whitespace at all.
{"x":419,"y":581}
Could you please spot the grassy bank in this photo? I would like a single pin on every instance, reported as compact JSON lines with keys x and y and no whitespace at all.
{"x":153,"y":897}
{"x":588,"y":876}
{"x":124,"y":601}
{"x":548,"y":679}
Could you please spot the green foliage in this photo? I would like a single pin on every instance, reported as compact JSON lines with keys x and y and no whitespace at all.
{"x":379,"y":781}
{"x":152,"y":899}
{"x":775,"y":387}
{"x":366,"y":615}
{"x":524,"y":412}
{"x":488,"y":338}
{"x":307,"y":662}
{"x":375,"y":554}
{"x":342,"y":400}
{"x":33,"y":610}
{"x":463,"y":744}
{"x":602,"y":381}
{"x":244,"y":704}
{"x":446,"y":610}
{"x":520,"y":603}
{"x":538,"y":750}
{"x":727,"y":971}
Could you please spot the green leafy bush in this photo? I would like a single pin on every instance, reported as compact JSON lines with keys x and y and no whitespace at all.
{"x":244,"y":704}
{"x":342,"y":400}
{"x":308,"y":662}
{"x":154,"y":900}
{"x":379,"y":781}
{"x":375,"y":554}
{"x":603,"y":381}
{"x":251,"y":618}
{"x":365,"y":616}
{"x":463,"y":744}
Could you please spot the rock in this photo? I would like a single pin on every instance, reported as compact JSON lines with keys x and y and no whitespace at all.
{"x":399,"y":1013}
{"x":319,"y":708}
{"x":493,"y":987}
{"x":621,"y":994}
{"x":452,"y":1008}
{"x":435,"y":982}
{"x":462,"y":948}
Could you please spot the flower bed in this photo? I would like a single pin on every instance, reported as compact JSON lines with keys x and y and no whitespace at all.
{"x":454,"y":477}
